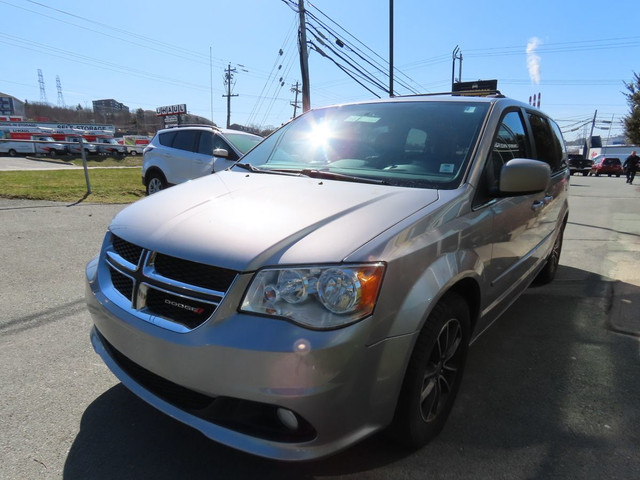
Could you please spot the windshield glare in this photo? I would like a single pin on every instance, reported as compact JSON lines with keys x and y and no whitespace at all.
{"x":420,"y":144}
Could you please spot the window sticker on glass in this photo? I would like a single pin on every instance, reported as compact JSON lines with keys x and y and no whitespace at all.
{"x":469,"y":109}
{"x":362,"y":118}
{"x":446,"y":168}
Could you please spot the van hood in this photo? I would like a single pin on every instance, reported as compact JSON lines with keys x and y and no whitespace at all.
{"x":243,"y":221}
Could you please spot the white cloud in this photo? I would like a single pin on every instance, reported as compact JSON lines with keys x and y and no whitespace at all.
{"x":533,"y":60}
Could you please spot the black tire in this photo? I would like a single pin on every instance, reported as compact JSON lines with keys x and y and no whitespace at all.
{"x":434,"y":374}
{"x":597,"y":174}
{"x":584,"y":174}
{"x":12,"y":153}
{"x":548,"y":272}
{"x":155,"y":183}
{"x":133,"y":152}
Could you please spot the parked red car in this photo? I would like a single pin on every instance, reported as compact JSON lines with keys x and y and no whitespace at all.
{"x":606,"y":166}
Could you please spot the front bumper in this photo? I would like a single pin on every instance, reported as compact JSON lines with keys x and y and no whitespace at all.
{"x":241,"y":369}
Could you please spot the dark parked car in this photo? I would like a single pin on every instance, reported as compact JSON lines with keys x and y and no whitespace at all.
{"x":606,"y":166}
{"x":579,"y":164}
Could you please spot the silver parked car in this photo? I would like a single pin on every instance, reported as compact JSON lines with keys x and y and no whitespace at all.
{"x":328,"y":286}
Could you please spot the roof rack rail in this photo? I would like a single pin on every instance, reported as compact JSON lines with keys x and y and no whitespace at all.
{"x":193,"y":125}
{"x":481,"y":88}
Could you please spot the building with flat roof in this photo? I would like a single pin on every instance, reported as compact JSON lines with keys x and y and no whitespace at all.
{"x":10,"y":106}
{"x":109,"y":106}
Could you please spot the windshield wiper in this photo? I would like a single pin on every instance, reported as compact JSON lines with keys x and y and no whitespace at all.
{"x":248,"y":166}
{"x":251,"y":168}
{"x":340,"y":176}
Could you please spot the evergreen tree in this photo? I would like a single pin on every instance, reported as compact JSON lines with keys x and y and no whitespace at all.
{"x":632,"y":121}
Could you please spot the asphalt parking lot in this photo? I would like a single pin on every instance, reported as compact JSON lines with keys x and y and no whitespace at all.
{"x":34,"y":163}
{"x":551,"y":390}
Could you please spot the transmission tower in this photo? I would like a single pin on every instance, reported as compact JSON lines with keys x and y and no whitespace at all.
{"x":59,"y":87}
{"x":43,"y":93}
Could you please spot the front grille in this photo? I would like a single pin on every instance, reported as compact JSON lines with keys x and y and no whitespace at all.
{"x":130,"y":252}
{"x":193,"y":273}
{"x":182,"y":292}
{"x":122,"y":283}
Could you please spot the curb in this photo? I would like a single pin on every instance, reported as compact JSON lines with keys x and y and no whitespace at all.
{"x":50,"y":160}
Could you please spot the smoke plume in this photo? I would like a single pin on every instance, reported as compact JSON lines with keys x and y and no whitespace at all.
{"x":533,"y":60}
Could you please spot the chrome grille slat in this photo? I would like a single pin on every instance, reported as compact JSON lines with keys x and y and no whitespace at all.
{"x":182,"y":293}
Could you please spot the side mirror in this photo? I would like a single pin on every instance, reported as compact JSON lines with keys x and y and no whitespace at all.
{"x":220,"y":152}
{"x":521,"y":176}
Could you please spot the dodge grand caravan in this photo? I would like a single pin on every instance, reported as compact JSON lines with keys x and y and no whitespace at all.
{"x":328,"y":286}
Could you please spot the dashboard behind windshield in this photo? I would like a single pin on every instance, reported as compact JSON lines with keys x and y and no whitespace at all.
{"x":419,"y":144}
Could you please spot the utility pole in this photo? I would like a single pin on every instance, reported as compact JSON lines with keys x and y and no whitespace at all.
{"x":593,"y":124}
{"x":228,"y":79}
{"x":587,"y":141}
{"x":304,"y":58}
{"x":390,"y":48}
{"x":295,"y":88}
{"x":211,"y":81}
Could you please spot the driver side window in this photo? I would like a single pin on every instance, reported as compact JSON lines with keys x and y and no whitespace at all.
{"x":509,"y":143}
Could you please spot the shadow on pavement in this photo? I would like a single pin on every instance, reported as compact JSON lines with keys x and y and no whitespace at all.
{"x":527,"y":402}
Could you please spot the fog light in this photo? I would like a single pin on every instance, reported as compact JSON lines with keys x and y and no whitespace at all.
{"x":288,"y":418}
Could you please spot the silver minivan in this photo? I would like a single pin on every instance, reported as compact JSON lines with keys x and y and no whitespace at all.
{"x":328,"y":286}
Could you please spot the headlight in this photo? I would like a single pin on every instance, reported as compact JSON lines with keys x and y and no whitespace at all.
{"x":321,"y":297}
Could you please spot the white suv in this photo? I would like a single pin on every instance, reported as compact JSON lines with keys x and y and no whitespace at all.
{"x":182,"y":153}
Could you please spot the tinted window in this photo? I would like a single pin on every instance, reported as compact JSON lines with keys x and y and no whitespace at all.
{"x":185,"y":140}
{"x":166,"y":139}
{"x":509,"y":143}
{"x":549,"y":145}
{"x":220,"y":143}
{"x":205,"y":146}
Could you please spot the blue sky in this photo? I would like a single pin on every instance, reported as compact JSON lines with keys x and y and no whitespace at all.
{"x":147,"y":54}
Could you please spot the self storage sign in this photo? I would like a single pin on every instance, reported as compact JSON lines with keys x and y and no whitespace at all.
{"x":179,"y":109}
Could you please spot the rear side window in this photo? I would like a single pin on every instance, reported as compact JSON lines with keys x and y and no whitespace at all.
{"x":550,"y":147}
{"x":166,"y":139}
{"x":186,"y":140}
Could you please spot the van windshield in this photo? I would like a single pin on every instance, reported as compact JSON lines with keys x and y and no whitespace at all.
{"x":405,"y":143}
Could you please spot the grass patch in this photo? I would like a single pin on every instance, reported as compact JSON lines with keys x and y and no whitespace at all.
{"x":113,"y":185}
